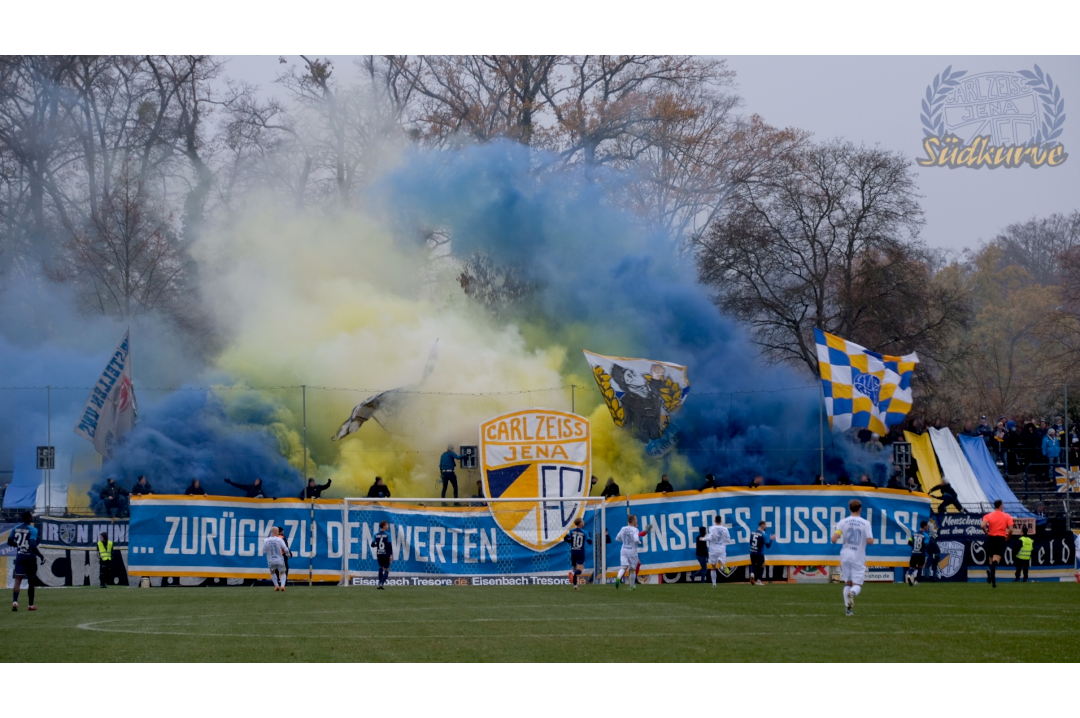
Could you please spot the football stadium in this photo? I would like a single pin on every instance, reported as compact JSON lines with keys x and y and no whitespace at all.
{"x":535,"y":359}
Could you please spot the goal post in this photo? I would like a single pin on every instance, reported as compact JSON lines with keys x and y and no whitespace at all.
{"x":475,"y":541}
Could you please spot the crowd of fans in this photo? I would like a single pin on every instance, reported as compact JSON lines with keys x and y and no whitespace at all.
{"x":1015,"y":444}
{"x":114,"y":498}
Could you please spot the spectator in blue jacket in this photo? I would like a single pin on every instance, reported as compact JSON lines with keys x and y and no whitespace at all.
{"x":1051,"y":449}
{"x":446,"y":469}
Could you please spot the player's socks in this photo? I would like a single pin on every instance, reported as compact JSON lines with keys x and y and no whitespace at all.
{"x":993,"y":574}
{"x":712,"y":574}
{"x":847,"y":591}
{"x":30,"y":594}
{"x":15,"y":596}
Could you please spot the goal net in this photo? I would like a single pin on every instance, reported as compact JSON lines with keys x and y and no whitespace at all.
{"x":504,"y":541}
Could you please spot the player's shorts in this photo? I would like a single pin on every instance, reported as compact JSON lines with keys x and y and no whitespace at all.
{"x":26,"y":566}
{"x":278,"y":566}
{"x":628,"y":559}
{"x":757,"y":559}
{"x":995,"y":546}
{"x":716,"y":557}
{"x":918,"y":560}
{"x":384,"y":561}
{"x":852,"y":572}
{"x":576,"y":558}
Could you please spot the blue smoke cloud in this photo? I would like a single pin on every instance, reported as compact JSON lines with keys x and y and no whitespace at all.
{"x":190,"y":435}
{"x":180,"y":436}
{"x":599,"y":267}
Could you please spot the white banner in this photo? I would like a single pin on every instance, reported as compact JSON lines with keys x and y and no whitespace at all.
{"x":111,"y":411}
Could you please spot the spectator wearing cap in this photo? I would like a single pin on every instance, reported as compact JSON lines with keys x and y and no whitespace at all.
{"x":985,"y":431}
{"x":1051,"y":449}
{"x":1059,"y":426}
{"x":112,"y":495}
{"x":378,"y":490}
{"x":141,"y":487}
{"x":710,"y":482}
{"x":313,"y":490}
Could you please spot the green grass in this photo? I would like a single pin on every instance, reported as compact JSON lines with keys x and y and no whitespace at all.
{"x":946,"y":622}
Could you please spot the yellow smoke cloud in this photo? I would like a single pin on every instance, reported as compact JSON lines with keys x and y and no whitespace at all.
{"x":335,"y":302}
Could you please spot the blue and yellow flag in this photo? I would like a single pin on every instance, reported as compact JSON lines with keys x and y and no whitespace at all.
{"x":863,"y":388}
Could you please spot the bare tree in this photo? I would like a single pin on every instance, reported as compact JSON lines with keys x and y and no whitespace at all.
{"x":665,"y":124}
{"x":1037,"y":244}
{"x":125,"y":263}
{"x":830,"y":242}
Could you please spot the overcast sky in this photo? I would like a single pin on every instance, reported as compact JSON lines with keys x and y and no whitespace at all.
{"x":876,"y":100}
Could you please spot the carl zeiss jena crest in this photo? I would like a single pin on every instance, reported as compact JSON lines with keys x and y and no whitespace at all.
{"x":534,"y":454}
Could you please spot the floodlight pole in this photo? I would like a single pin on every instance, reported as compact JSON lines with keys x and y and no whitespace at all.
{"x":311,"y":547}
{"x":48,"y":441}
{"x":1068,"y":463}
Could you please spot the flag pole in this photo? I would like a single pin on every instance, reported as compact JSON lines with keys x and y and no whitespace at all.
{"x":821,"y":427}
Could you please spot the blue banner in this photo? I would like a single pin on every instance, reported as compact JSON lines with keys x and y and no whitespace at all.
{"x":222,"y":537}
{"x":801,"y":520}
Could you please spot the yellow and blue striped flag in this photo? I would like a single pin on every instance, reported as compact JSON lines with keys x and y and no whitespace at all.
{"x":863,"y":388}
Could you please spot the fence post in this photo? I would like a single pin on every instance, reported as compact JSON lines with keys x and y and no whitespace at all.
{"x":303,"y":409}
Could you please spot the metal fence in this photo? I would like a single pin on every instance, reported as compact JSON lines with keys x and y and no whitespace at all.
{"x":297,"y":421}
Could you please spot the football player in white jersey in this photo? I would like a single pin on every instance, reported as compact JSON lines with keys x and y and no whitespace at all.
{"x":719,"y":537}
{"x":629,"y":537}
{"x":856,"y":535}
{"x":276,"y":550}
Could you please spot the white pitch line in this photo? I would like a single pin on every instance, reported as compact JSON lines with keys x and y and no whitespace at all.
{"x":458,"y":636}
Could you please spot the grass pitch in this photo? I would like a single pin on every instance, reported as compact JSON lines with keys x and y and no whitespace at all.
{"x":892,"y":622}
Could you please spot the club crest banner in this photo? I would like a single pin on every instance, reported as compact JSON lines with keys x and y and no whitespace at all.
{"x":642,"y":395}
{"x":536,"y":453}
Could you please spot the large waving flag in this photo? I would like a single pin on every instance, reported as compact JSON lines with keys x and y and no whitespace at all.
{"x":111,"y":410}
{"x":384,"y":404}
{"x":863,"y":388}
{"x":641,"y":395}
